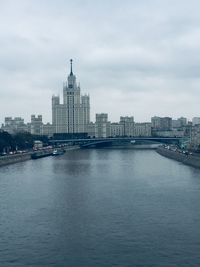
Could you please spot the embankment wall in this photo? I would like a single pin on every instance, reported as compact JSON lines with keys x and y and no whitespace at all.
{"x":10,"y":159}
{"x":191,"y":160}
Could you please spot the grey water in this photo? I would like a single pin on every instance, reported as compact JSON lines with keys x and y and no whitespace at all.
{"x":100,"y":208}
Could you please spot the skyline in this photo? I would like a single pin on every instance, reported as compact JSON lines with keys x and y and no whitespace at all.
{"x":144,"y":59}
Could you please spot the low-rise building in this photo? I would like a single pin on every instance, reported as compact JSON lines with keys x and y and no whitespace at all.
{"x":37,"y":144}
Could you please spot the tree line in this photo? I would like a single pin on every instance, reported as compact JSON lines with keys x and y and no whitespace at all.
{"x":19,"y":141}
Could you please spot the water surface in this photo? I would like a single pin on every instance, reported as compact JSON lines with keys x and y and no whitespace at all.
{"x":100,"y":208}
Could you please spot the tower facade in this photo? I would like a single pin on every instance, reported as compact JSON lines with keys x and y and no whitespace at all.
{"x":73,"y":116}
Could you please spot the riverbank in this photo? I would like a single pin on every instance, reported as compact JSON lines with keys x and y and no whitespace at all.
{"x":191,"y":160}
{"x":11,"y":159}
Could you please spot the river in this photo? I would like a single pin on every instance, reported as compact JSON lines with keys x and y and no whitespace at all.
{"x":106,"y":207}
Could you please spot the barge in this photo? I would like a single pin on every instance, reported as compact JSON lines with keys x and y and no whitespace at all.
{"x":41,"y":154}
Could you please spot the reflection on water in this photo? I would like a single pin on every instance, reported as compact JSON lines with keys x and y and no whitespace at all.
{"x":100,"y":208}
{"x":72,"y":163}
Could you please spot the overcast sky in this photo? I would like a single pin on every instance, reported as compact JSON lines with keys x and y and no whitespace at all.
{"x":134,"y":57}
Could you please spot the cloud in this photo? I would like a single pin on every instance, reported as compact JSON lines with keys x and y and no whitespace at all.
{"x":137,"y":53}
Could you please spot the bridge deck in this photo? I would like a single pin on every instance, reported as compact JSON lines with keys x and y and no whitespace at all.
{"x":128,"y":139}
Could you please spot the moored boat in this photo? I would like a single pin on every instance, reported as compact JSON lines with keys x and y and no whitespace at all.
{"x":58,"y":152}
{"x":41,"y":154}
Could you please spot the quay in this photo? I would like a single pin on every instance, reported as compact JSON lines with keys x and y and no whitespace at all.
{"x":10,"y":159}
{"x":15,"y":158}
{"x":186,"y":158}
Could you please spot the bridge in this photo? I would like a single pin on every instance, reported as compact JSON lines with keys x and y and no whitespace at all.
{"x":110,"y":141}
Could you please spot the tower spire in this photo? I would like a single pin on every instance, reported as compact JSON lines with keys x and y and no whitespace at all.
{"x":71,"y":73}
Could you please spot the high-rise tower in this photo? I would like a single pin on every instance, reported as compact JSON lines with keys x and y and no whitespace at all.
{"x":73,"y":116}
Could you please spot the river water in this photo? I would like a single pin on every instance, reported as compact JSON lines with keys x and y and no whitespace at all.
{"x":100,"y":208}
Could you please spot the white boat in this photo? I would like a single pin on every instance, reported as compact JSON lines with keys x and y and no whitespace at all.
{"x":57,"y":152}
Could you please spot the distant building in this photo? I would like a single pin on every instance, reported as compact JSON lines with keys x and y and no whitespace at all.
{"x":128,"y":125}
{"x":161,"y":123}
{"x":37,"y":144}
{"x":179,"y":123}
{"x":195,"y":137}
{"x":102,"y":125}
{"x":47,"y":129}
{"x":171,"y":133}
{"x":116,"y":129}
{"x":91,"y":129}
{"x":36,"y":125}
{"x":73,"y":116}
{"x":176,"y":124}
{"x":142,"y":129}
{"x":156,"y":123}
{"x":85,"y":113}
{"x":15,"y":125}
{"x":196,"y":121}
{"x":183,"y":121}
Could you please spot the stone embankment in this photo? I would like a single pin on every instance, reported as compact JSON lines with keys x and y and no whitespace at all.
{"x":192,"y":160}
{"x":10,"y":159}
